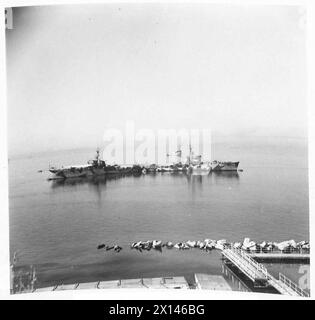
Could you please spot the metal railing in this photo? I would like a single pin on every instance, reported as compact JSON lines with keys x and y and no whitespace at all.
{"x":246,"y":261}
{"x":292,"y":285}
{"x":256,"y":270}
{"x":286,"y":251}
{"x":273,"y":250}
{"x":260,"y":267}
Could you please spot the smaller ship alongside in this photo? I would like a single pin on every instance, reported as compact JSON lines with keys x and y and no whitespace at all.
{"x":224,"y":166}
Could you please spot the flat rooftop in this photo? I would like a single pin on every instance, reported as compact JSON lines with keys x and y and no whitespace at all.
{"x":211,"y":282}
{"x":203,"y":281}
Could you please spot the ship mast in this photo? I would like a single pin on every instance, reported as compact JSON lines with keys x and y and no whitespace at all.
{"x":97,"y":157}
{"x":190,"y":151}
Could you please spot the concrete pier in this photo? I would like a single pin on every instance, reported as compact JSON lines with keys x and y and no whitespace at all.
{"x":141,"y":283}
{"x":258,"y":273}
{"x":281,"y":257}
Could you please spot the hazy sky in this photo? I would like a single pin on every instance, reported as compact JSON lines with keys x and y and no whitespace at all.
{"x":74,"y":71}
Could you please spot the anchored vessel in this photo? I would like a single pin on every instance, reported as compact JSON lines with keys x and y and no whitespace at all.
{"x":224,"y":166}
{"x":195,"y":164}
{"x":94,"y":167}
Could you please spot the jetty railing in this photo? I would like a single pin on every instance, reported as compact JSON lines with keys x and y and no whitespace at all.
{"x":258,"y":249}
{"x":260,"y":267}
{"x":246,"y":263}
{"x":285,"y":251}
{"x":292,"y":285}
{"x":257,"y":271}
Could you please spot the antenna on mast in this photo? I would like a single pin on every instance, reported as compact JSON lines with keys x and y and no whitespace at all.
{"x":97,"y":157}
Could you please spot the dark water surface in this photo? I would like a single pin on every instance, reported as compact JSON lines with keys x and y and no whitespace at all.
{"x":57,"y":226}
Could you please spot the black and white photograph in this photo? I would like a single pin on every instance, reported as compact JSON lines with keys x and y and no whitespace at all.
{"x":157,"y":145}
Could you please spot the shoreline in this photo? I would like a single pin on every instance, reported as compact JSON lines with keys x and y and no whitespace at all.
{"x":113,"y":267}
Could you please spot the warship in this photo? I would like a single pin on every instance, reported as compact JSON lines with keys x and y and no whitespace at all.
{"x":224,"y":165}
{"x":195,"y":164}
{"x":95,"y":167}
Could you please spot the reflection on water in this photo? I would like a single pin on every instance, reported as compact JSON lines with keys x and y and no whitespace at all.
{"x":195,"y":183}
{"x":225,"y":176}
{"x":95,"y":180}
{"x":96,"y":183}
{"x":192,"y":179}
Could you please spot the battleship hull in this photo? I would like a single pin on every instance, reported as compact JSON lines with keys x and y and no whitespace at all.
{"x":224,"y":166}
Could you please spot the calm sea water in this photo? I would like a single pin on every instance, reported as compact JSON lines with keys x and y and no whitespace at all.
{"x":57,"y":226}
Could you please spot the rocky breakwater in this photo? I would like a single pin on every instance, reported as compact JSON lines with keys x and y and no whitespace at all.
{"x":288,"y":246}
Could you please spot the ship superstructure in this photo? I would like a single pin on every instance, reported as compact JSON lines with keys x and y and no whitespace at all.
{"x":195,"y":163}
{"x":94,"y":167}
